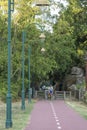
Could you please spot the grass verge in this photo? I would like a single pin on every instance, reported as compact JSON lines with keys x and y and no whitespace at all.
{"x":80,"y":107}
{"x":20,"y":118}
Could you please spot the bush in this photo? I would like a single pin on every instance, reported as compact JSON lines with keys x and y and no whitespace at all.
{"x":4,"y":89}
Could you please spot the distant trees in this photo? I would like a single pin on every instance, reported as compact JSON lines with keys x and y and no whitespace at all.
{"x":63,"y":47}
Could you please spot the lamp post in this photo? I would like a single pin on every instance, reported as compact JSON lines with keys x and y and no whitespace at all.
{"x":86,"y":70}
{"x":9,"y":97}
{"x":23,"y":91}
{"x":42,"y":37}
{"x":29,"y":89}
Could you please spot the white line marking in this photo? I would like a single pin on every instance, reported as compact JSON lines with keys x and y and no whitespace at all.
{"x":59,"y":127}
{"x":58,"y":123}
{"x":54,"y":113}
{"x":55,"y":116}
{"x":57,"y":120}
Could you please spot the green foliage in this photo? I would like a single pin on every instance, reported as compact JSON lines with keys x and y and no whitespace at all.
{"x":61,"y":46}
{"x":3,"y":90}
{"x":64,"y":44}
{"x":81,"y":86}
{"x":15,"y":89}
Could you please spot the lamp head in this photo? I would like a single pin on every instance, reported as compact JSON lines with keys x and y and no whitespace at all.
{"x":42,"y":36}
{"x":43,"y":50}
{"x":42,"y":3}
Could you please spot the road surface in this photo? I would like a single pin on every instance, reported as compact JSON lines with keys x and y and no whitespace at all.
{"x":55,"y":115}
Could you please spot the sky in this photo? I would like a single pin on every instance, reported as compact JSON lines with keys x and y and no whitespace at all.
{"x":54,"y":10}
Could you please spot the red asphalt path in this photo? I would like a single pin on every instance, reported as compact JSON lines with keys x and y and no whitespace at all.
{"x":55,"y":115}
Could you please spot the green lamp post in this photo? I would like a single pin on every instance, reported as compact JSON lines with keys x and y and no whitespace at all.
{"x":9,"y":97}
{"x":29,"y":89}
{"x":85,"y":58}
{"x":42,"y":37}
{"x":23,"y":90}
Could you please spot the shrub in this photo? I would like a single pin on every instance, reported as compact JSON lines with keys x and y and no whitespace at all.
{"x":4,"y":89}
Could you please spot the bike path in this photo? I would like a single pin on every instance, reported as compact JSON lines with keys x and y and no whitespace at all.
{"x":55,"y":115}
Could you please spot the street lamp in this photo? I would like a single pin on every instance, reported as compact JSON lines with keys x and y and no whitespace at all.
{"x":43,"y":50}
{"x":29,"y":89}
{"x":23,"y":91}
{"x":42,"y":3}
{"x":86,"y":69}
{"x":9,"y":97}
{"x":42,"y":37}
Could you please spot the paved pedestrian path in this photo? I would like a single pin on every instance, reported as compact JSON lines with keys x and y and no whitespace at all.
{"x":55,"y":115}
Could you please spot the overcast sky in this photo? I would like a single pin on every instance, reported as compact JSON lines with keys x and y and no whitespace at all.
{"x":55,"y":9}
{"x":54,"y":12}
